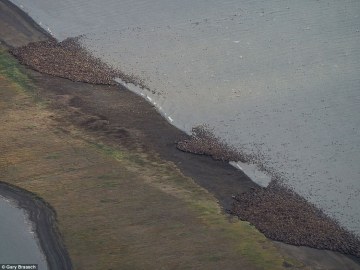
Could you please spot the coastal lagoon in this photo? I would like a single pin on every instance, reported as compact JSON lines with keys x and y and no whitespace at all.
{"x":18,"y":244}
{"x":279,"y":80}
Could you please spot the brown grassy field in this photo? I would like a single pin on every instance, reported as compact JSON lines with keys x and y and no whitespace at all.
{"x":116,"y":208}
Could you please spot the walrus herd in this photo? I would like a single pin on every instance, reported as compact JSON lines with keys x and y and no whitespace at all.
{"x":67,"y":59}
{"x":282,"y":215}
{"x":276,"y":211}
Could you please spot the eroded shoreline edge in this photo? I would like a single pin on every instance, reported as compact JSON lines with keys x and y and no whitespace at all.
{"x":43,"y":217}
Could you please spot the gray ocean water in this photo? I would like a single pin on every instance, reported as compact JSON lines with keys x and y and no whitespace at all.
{"x":279,"y":80}
{"x":18,"y":243}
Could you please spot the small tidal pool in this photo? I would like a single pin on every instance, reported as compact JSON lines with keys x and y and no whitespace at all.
{"x":19,"y":243}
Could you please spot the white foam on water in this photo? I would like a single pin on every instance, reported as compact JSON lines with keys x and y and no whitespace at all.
{"x":252,"y":171}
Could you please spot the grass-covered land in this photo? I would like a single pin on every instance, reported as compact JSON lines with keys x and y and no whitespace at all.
{"x":116,"y":208}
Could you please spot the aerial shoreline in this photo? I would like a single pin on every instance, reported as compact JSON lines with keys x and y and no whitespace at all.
{"x":68,"y":59}
{"x":43,"y":218}
{"x":222,"y":169}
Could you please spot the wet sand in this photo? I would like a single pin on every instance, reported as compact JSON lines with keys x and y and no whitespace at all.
{"x":136,"y":124}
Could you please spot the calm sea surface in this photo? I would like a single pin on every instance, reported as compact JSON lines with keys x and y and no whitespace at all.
{"x":18,"y":243}
{"x":280,"y":80}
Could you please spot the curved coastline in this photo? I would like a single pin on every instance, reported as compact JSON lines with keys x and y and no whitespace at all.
{"x":30,"y":21}
{"x":43,"y":217}
{"x":41,"y":213}
{"x":229,"y":92}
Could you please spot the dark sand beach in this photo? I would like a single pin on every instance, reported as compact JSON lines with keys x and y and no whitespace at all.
{"x":41,"y":214}
{"x":116,"y":116}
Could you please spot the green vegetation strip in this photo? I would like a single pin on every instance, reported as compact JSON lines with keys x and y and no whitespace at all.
{"x":11,"y":69}
{"x":247,"y":240}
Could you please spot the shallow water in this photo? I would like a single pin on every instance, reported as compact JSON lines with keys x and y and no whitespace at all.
{"x":280,"y":80}
{"x":18,"y":243}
